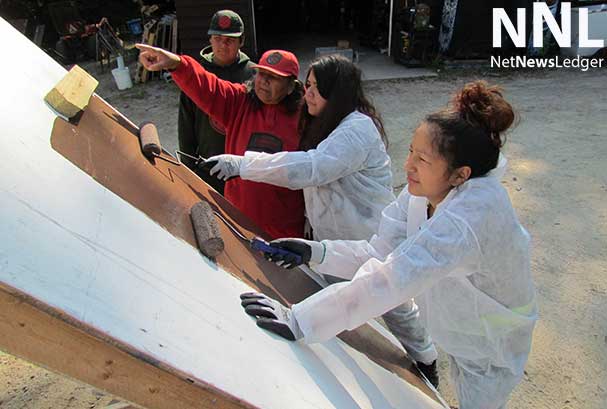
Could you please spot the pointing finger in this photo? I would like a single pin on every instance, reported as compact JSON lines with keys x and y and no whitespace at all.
{"x":145,"y":47}
{"x":156,"y":67}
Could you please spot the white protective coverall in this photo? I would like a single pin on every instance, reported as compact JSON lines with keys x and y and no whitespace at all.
{"x":468,"y":269}
{"x":346,"y":182}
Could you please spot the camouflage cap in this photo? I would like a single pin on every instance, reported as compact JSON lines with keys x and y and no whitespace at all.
{"x":226,"y":23}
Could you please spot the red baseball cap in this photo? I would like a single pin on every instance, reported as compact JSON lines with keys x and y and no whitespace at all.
{"x":279,"y":62}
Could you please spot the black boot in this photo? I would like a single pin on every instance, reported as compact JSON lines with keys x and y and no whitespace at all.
{"x":429,"y":372}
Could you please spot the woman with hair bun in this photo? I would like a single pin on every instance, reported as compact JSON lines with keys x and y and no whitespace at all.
{"x":451,"y":240}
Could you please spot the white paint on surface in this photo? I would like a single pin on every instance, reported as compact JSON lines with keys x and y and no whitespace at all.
{"x":73,"y":244}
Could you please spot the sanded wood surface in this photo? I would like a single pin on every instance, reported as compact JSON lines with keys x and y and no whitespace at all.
{"x":71,"y":95}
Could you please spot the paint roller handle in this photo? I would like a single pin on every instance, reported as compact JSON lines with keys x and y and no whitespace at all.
{"x":275,"y":253}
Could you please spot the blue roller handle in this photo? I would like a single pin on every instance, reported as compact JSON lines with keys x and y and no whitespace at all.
{"x":262,"y":245}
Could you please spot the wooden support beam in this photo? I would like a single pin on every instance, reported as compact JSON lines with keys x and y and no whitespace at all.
{"x":141,"y":74}
{"x":35,"y":332}
{"x":150,"y":41}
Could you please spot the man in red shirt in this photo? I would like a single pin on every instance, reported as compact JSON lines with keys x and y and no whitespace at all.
{"x":260,"y":115}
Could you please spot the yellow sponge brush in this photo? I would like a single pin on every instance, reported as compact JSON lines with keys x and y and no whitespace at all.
{"x":71,"y":95}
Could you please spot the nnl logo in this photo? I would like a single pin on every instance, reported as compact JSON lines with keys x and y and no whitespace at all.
{"x":542,"y":13}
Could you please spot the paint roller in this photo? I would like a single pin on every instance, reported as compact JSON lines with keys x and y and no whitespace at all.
{"x":150,"y":142}
{"x":151,"y":148}
{"x":209,"y":238}
{"x":206,"y":229}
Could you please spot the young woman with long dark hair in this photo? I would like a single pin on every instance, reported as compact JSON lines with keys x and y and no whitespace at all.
{"x":344,"y":171}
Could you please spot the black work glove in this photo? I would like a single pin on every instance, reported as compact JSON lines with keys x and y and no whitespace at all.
{"x":310,"y":252}
{"x":202,"y":169}
{"x":271,"y":315}
{"x":208,"y":164}
{"x":205,"y":165}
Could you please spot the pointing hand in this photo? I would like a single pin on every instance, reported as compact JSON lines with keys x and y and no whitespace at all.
{"x":156,"y":59}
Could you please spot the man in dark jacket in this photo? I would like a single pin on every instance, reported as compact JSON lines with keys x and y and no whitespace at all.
{"x":198,"y":135}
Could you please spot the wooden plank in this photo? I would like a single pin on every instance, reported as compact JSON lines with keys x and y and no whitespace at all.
{"x":144,"y":72}
{"x":139,"y":68}
{"x":161,"y":35}
{"x":145,"y":39}
{"x":156,"y":41}
{"x":71,"y":95}
{"x":49,"y":338}
{"x":174,"y":37}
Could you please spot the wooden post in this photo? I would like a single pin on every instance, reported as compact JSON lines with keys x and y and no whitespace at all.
{"x":174,"y":36}
{"x":36,"y":332}
{"x":146,"y":38}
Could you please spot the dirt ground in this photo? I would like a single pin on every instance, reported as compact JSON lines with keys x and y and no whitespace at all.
{"x":557,"y":180}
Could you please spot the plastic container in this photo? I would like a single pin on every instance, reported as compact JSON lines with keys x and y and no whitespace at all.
{"x":122,"y":78}
{"x":346,"y":52}
{"x":120,"y":61}
{"x":135,"y":26}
